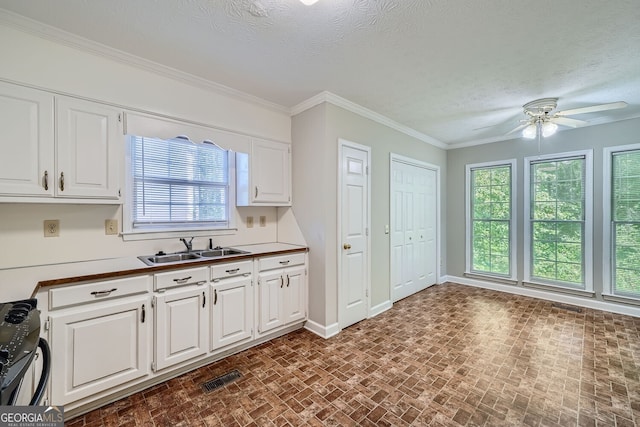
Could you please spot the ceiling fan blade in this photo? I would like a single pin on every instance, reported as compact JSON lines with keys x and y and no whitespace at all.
{"x":592,"y":109}
{"x":565,"y":121}
{"x":522,"y":126}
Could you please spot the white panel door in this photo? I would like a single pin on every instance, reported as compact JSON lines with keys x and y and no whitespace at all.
{"x":98,"y":347}
{"x":231,"y":311}
{"x":89,"y":143}
{"x":414,"y":227}
{"x":26,"y":142}
{"x":270,"y":304}
{"x":181,"y":326}
{"x":295,"y":301}
{"x":354,"y":274}
{"x":270,"y":169}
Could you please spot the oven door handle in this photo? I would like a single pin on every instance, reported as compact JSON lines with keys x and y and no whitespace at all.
{"x":44,"y":376}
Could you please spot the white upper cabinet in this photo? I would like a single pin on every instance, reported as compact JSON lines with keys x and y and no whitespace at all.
{"x":89,"y":143}
{"x":72,"y":153}
{"x":264,"y":176}
{"x":26,"y":141}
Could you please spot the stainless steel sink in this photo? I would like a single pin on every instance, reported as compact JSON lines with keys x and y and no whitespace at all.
{"x":165,"y":259}
{"x":215,"y":253}
{"x":179,"y":257}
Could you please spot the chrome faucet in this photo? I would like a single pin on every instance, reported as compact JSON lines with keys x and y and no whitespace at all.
{"x":188,"y":244}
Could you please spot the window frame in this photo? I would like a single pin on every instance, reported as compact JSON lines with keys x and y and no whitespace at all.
{"x":155,"y":232}
{"x":608,"y":288}
{"x":587,"y":244}
{"x":513,"y":270}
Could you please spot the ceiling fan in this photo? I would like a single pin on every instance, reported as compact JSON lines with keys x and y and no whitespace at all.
{"x":543,"y":120}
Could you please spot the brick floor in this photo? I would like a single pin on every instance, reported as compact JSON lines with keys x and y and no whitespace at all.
{"x":450,"y":355}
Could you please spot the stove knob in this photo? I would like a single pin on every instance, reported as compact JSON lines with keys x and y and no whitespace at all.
{"x":14,"y":318}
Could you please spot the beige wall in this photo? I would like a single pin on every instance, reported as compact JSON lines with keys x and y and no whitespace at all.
{"x":315,"y":135}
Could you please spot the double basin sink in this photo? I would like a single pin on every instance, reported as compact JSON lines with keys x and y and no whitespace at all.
{"x":179,"y":257}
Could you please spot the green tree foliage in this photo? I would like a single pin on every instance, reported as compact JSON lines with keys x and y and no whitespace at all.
{"x":491,"y":219}
{"x":557,"y":214}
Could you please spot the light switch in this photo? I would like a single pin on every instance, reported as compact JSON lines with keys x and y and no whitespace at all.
{"x":249,"y":222}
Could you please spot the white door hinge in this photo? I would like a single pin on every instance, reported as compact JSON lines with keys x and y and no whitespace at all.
{"x":46,"y":402}
{"x":46,"y":325}
{"x":153,"y":302}
{"x":153,"y":366}
{"x":366,"y":293}
{"x":366,"y":231}
{"x":366,"y":170}
{"x":120,"y":117}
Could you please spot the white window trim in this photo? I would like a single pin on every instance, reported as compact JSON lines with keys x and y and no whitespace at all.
{"x":588,"y":217}
{"x":607,"y":242}
{"x":513,"y":227}
{"x":131,"y":234}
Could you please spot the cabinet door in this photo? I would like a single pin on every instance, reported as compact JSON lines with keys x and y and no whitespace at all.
{"x":270,"y":172}
{"x":98,"y":347}
{"x":26,"y":142}
{"x":231,"y":311}
{"x":181,"y":326}
{"x":270,"y":304}
{"x":295,"y":300}
{"x":89,"y":147}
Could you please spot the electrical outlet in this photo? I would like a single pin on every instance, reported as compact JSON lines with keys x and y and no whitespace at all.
{"x":110,"y":227}
{"x":249,"y":222}
{"x":51,"y":227}
{"x":263,"y":221}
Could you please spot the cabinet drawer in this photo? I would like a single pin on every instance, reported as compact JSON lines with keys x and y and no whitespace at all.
{"x":188,"y":276}
{"x":281,"y":261}
{"x":231,"y":269}
{"x":98,"y":291}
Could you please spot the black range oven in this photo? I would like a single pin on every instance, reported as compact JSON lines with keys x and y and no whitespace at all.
{"x":19,"y":342}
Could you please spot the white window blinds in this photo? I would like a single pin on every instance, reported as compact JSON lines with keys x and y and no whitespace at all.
{"x":178,"y":183}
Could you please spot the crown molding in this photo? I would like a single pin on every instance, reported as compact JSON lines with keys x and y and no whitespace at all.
{"x":364,"y":112}
{"x":65,"y":38}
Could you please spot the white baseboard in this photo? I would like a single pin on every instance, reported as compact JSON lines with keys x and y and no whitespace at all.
{"x":321,"y":330}
{"x":549,"y":296}
{"x":380,"y":308}
{"x":442,"y":280}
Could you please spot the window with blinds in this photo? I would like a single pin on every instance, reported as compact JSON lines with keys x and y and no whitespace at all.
{"x":557,"y":221}
{"x":178,"y":184}
{"x":625,"y":222}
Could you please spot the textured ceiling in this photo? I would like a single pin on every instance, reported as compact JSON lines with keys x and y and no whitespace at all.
{"x":441,"y":67}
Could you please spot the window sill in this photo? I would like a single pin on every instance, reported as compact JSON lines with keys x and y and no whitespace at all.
{"x":621,"y":299}
{"x":559,"y":288}
{"x":499,"y":279}
{"x":169,"y":234}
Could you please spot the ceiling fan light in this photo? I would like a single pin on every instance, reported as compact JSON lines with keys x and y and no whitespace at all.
{"x":530,"y":131}
{"x":308,"y":2}
{"x":548,"y":129}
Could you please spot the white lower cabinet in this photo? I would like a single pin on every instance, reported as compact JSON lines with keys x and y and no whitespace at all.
{"x":181,"y":316}
{"x":109,"y":338}
{"x":98,"y":346}
{"x":282,"y":284}
{"x":231,"y":304}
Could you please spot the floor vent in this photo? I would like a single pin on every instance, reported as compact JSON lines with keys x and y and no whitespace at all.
{"x":566,"y":307}
{"x":221,"y":381}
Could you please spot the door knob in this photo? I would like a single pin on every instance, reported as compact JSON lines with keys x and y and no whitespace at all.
{"x":346,"y":246}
